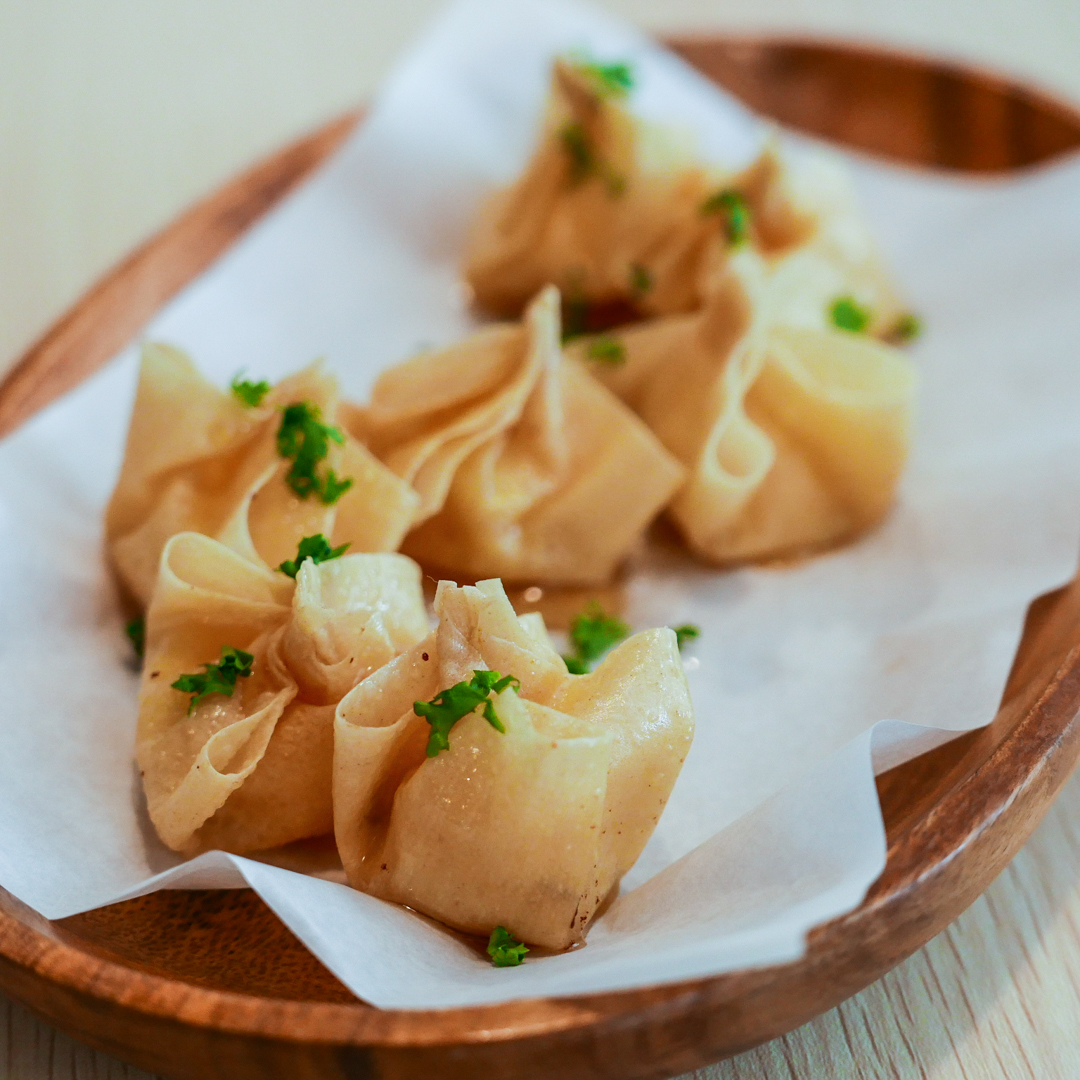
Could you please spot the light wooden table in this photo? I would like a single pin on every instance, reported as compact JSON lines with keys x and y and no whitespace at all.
{"x":115,"y":114}
{"x":994,"y":997}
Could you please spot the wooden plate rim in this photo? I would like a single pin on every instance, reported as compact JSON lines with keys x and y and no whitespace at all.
{"x":1019,"y":87}
{"x":1008,"y":780}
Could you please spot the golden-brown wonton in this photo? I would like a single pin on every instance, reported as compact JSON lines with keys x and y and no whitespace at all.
{"x":623,"y":228}
{"x":530,"y":828}
{"x":253,"y":770}
{"x":794,"y":433}
{"x":527,"y":468}
{"x":198,"y":459}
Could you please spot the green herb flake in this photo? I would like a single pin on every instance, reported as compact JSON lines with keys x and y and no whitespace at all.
{"x":584,"y":162}
{"x":219,"y":678}
{"x":908,"y":327}
{"x":641,"y":279}
{"x":685,"y":633}
{"x":607,"y":350}
{"x":579,"y":152}
{"x":316,"y":548}
{"x":136,"y":633}
{"x":305,"y":439}
{"x":504,"y":949}
{"x":732,"y":206}
{"x":575,"y":318}
{"x":847,"y":314}
{"x":333,"y":488}
{"x":444,"y":710}
{"x":592,"y":633}
{"x":610,"y":80}
{"x":616,"y":182}
{"x":247,"y":392}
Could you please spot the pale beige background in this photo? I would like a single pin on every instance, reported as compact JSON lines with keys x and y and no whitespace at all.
{"x":114,"y":114}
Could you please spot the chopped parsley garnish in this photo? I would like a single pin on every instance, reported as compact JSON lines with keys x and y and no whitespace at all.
{"x":641,"y":279}
{"x":908,"y":327}
{"x":616,"y":182}
{"x":592,"y":633}
{"x":687,"y":632}
{"x":247,"y":392}
{"x":575,"y":317}
{"x":219,"y":678}
{"x":504,"y":949}
{"x":444,"y":710}
{"x":305,"y":439}
{"x":731,"y":204}
{"x":578,"y":151}
{"x":607,"y":350}
{"x":136,"y":632}
{"x":583,"y":160}
{"x":316,"y":548}
{"x":848,"y":314}
{"x":609,"y":80}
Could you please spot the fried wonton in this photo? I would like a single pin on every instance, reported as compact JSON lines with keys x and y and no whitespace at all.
{"x":199,"y":459}
{"x":794,"y":433}
{"x":251,"y":769}
{"x":527,"y":468}
{"x":530,"y":827}
{"x":627,"y":227}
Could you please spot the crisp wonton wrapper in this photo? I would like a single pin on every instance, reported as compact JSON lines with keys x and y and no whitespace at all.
{"x":197,"y":459}
{"x":794,"y":433}
{"x":530,"y":829}
{"x":253,"y":770}
{"x":617,"y":214}
{"x":527,"y":468}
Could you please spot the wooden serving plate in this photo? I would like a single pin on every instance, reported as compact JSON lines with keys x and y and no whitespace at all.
{"x":206,"y":985}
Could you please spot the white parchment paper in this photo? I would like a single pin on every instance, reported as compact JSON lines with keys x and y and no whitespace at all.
{"x":774,"y":825}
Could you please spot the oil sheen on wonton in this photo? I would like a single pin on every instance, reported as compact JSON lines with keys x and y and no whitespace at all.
{"x":530,"y":829}
{"x":253,"y":770}
{"x":794,"y":433}
{"x":198,"y":459}
{"x":627,"y":224}
{"x":527,"y":468}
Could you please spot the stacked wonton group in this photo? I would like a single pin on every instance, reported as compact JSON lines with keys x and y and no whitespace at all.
{"x":527,"y":825}
{"x":705,"y":345}
{"x":749,"y":309}
{"x":284,"y":678}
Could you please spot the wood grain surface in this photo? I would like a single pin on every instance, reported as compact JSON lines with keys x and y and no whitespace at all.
{"x":890,"y":104}
{"x":954,"y":817}
{"x":996,"y":996}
